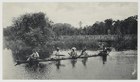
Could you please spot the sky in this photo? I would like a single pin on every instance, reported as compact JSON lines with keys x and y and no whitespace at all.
{"x":71,"y":12}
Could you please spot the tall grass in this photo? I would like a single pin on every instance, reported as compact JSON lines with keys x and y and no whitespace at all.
{"x":92,"y":42}
{"x":79,"y":44}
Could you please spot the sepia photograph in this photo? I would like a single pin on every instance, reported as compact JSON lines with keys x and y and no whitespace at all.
{"x":70,"y":40}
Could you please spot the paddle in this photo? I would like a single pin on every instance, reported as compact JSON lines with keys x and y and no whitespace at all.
{"x":81,"y":53}
{"x":59,"y":55}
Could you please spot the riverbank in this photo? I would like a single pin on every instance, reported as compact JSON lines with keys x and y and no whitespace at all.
{"x":91,"y":42}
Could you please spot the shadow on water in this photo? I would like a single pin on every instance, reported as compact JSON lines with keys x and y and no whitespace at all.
{"x":73,"y":62}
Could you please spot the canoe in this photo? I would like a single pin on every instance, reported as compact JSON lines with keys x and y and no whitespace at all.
{"x":18,"y":62}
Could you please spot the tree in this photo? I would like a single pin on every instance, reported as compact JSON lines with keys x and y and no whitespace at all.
{"x":31,"y":31}
{"x":63,"y":29}
{"x":108,"y":25}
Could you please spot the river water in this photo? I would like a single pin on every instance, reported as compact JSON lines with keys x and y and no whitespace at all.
{"x":118,"y":65}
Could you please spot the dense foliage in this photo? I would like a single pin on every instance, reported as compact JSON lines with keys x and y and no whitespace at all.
{"x":29,"y":32}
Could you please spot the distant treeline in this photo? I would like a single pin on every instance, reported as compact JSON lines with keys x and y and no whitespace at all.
{"x":108,"y":26}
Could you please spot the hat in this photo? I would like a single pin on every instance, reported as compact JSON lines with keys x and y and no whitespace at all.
{"x":73,"y":48}
{"x":57,"y":48}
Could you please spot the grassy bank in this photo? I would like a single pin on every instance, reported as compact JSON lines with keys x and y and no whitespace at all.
{"x":97,"y":37}
{"x":93,"y":41}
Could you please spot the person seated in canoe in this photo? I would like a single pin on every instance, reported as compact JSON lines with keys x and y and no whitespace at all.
{"x":103,"y":52}
{"x":107,"y":50}
{"x":84,"y":53}
{"x":33,"y":56}
{"x":57,"y":53}
{"x":73,"y":53}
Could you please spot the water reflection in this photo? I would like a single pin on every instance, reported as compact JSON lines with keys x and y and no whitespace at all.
{"x":84,"y":61}
{"x":58,"y":64}
{"x":36,"y":68}
{"x":104,"y":59}
{"x":73,"y":62}
{"x":38,"y":71}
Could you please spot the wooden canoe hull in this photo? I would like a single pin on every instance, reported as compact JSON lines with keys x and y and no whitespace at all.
{"x":63,"y":58}
{"x":52,"y":59}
